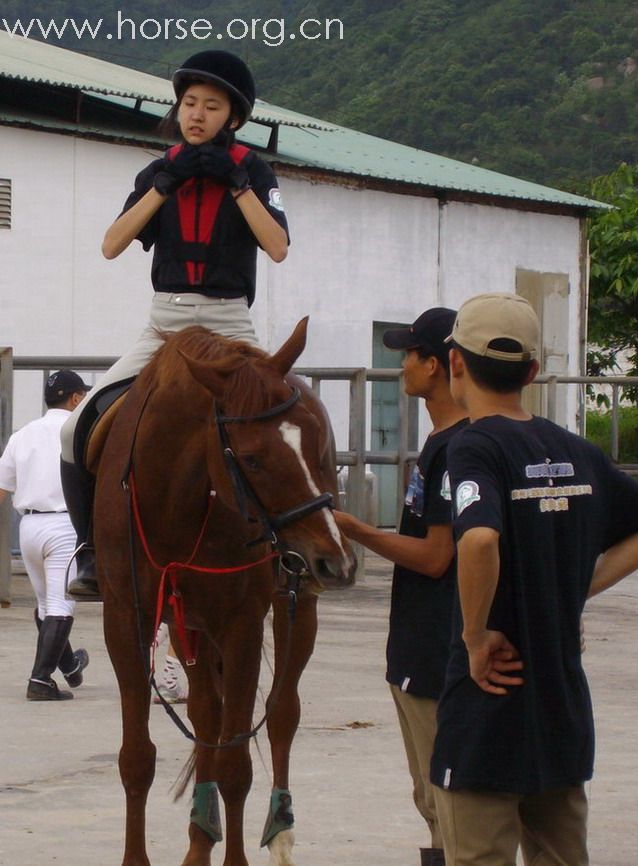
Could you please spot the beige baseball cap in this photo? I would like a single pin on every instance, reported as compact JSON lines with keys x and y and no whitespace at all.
{"x":494,"y":316}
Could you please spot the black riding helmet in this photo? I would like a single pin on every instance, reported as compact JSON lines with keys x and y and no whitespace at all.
{"x":223,"y":69}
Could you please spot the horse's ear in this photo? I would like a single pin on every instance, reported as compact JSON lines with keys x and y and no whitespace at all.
{"x":207,"y":374}
{"x":286,"y":355}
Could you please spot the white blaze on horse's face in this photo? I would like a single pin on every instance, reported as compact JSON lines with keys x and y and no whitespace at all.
{"x":291,"y":435}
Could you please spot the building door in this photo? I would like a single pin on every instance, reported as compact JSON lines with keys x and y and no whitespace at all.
{"x":549,"y":296}
{"x":385,"y":424}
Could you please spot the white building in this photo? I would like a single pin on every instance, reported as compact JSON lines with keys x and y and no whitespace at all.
{"x":379,"y":231}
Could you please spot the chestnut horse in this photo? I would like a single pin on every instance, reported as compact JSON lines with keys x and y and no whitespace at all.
{"x":216,"y":446}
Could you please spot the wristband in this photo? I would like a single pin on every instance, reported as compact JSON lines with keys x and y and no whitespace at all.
{"x":242,"y":191}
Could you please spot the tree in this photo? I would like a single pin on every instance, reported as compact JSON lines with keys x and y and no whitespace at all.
{"x":613,"y":284}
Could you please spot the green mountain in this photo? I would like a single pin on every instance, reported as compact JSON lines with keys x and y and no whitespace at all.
{"x":542,"y":89}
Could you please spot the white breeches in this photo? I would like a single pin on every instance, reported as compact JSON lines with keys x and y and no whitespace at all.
{"x":47,"y":542}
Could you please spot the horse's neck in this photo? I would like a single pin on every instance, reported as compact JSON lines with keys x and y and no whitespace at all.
{"x":173,"y":431}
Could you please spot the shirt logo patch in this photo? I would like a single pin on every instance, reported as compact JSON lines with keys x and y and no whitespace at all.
{"x":446,"y":490}
{"x":274,"y":199}
{"x":466,"y":493}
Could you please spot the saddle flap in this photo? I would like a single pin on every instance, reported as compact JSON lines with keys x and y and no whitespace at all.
{"x":98,"y":433}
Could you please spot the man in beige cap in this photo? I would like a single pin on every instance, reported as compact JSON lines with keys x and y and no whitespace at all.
{"x":534,"y":507}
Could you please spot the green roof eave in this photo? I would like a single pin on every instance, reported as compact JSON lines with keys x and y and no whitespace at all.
{"x":297,"y":139}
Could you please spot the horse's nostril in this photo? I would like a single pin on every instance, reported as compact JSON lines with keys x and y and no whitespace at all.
{"x":330,"y":569}
{"x":323,"y":569}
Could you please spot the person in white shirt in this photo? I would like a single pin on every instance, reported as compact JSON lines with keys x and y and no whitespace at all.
{"x":30,"y":470}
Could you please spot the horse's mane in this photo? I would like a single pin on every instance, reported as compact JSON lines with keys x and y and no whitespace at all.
{"x":241,"y":362}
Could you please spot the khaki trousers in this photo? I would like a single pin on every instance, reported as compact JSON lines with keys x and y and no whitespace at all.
{"x":417,"y":719}
{"x":482,"y":828}
{"x":229,"y":317}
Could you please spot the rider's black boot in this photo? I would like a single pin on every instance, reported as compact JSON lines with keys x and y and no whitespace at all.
{"x":79,"y":488}
{"x":432,"y":857}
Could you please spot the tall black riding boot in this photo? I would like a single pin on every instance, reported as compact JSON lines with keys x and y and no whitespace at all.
{"x":432,"y":857}
{"x":52,"y":638}
{"x":79,"y":488}
{"x":71,"y":663}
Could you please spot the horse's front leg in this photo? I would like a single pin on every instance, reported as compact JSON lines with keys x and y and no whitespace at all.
{"x":241,"y":653}
{"x":137,"y":755}
{"x":204,"y":711}
{"x":294,"y":643}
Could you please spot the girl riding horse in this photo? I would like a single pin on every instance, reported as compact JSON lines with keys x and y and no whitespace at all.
{"x":205,"y":207}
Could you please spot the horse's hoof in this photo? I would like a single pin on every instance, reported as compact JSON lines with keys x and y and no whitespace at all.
{"x":280,"y":848}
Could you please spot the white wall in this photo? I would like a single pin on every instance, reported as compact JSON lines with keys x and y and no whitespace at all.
{"x":357,"y":256}
{"x":482,"y":247}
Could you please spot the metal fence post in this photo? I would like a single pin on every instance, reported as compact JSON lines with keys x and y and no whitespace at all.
{"x":6,"y":421}
{"x":404,"y":408}
{"x":356,"y":484}
{"x":551,"y":398}
{"x":615,"y":426}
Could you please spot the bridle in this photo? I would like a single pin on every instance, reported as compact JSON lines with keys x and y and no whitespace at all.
{"x":245,"y":493}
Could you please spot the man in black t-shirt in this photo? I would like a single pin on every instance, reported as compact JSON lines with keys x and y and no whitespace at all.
{"x":424,"y":573}
{"x":534,"y":507}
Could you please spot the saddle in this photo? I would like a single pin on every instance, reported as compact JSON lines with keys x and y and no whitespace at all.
{"x":96,"y":438}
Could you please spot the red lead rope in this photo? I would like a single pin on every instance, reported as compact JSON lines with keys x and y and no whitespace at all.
{"x":187,"y":637}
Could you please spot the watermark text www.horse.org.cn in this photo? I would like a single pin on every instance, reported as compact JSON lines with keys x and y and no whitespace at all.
{"x":270,"y":31}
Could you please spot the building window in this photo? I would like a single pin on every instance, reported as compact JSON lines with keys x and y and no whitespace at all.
{"x":5,"y":203}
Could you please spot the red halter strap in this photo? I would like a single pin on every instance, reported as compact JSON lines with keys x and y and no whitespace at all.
{"x":187,"y":637}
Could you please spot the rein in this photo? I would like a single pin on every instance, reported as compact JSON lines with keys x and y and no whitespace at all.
{"x":171,"y":571}
{"x":291,"y":562}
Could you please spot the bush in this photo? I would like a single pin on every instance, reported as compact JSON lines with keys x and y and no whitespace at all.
{"x":599,"y":432}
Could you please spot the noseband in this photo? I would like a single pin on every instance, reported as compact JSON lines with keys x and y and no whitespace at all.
{"x":244,"y":492}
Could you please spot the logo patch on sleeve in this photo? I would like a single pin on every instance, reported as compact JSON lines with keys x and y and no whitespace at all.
{"x":274,"y":199}
{"x":466,"y":493}
{"x":415,"y":494}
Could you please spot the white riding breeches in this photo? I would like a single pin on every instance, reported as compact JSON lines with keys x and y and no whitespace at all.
{"x":229,"y":317}
{"x":47,"y":542}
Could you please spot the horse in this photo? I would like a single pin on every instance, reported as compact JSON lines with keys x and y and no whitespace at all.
{"x":217,"y":459}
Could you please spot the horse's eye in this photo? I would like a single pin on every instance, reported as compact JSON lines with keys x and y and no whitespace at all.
{"x":250,"y":462}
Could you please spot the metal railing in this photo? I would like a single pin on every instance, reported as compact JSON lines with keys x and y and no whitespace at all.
{"x":356,"y":457}
{"x":616,"y":383}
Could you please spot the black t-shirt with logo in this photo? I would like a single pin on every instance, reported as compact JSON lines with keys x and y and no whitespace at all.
{"x":557,"y":503}
{"x":227,"y":252}
{"x":421,"y":606}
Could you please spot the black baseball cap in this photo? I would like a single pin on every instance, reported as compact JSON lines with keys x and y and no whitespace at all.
{"x":428,"y":333}
{"x":62,"y":384}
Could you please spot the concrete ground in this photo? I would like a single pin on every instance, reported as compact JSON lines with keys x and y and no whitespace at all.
{"x":60,"y":795}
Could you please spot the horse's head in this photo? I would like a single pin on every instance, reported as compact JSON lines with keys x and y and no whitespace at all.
{"x":271,"y":455}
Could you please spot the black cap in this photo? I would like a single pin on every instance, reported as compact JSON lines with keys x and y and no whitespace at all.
{"x":428,"y":333}
{"x":62,"y":384}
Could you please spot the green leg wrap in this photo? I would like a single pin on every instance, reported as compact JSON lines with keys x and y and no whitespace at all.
{"x":205,"y":810}
{"x":280,"y":815}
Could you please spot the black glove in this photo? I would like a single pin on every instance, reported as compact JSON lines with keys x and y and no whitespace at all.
{"x":174,"y":172}
{"x":217,"y":164}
